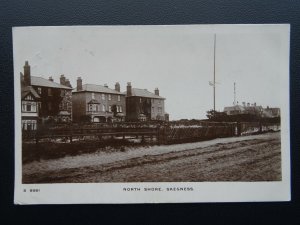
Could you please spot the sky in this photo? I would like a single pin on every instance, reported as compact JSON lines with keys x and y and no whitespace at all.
{"x":179,"y":60}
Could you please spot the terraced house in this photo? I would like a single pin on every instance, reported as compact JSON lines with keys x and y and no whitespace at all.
{"x":44,"y":100}
{"x":97,"y":103}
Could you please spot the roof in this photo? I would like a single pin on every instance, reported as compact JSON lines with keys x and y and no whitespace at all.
{"x":97,"y":88}
{"x":234,"y":108}
{"x":27,"y":90}
{"x":93,"y":101}
{"x":40,"y":81}
{"x":144,"y":93}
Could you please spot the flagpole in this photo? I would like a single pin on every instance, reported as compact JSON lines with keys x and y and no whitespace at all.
{"x":214,"y":83}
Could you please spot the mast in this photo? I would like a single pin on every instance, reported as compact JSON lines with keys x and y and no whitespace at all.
{"x":214,"y":82}
{"x":234,"y":93}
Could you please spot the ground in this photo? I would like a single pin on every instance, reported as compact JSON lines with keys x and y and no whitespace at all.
{"x":248,"y":158}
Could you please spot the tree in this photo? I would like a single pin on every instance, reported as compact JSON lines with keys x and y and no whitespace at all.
{"x":216,"y":116}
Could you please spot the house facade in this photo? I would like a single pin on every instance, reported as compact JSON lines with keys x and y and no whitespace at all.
{"x":53,"y":100}
{"x":30,"y":102}
{"x":143,"y":105}
{"x":97,"y":103}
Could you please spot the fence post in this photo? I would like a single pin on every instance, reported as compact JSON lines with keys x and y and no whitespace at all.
{"x":71,"y":132}
{"x":239,"y":128}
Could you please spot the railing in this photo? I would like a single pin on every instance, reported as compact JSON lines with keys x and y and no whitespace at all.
{"x":164,"y":133}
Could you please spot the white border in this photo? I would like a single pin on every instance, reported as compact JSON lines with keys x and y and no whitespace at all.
{"x":202,"y":191}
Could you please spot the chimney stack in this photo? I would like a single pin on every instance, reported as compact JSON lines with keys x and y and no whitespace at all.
{"x":62,"y":79}
{"x":105,"y":85}
{"x":244,"y":104}
{"x":129,"y":89}
{"x":156,"y":91}
{"x":51,"y":79}
{"x":117,"y":87}
{"x":27,"y":76}
{"x":67,"y":83}
{"x":248,"y":104}
{"x":79,"y":84}
{"x":254,"y":103}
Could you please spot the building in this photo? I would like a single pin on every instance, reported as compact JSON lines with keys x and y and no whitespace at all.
{"x":252,"y":109}
{"x":97,"y":103}
{"x":143,"y":105}
{"x":271,"y":112}
{"x":50,"y":101}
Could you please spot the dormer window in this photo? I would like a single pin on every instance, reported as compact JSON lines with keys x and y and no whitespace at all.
{"x":39,"y":90}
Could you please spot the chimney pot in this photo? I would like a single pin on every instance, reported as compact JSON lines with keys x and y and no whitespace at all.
{"x":129,"y":89}
{"x":62,"y":79}
{"x":156,"y":91}
{"x":117,"y":87}
{"x":79,"y":84}
{"x":27,"y":75}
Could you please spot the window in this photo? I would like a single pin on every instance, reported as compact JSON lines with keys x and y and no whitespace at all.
{"x":119,"y":98}
{"x":159,"y":102}
{"x":28,"y":106}
{"x":103,"y":108}
{"x":93,"y":95}
{"x":62,"y":93}
{"x":121,"y":110}
{"x":29,"y":124}
{"x":152,"y":110}
{"x":159,"y":109}
{"x":140,"y":100}
{"x":39,"y":90}
{"x":103,"y":96}
{"x":109,"y":97}
{"x":109,"y":108}
{"x":49,"y":92}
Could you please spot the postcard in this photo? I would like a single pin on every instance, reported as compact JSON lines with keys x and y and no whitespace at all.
{"x":151,"y":114}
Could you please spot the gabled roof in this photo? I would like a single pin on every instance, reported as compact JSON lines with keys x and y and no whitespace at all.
{"x":40,"y":81}
{"x":27,"y":90}
{"x":97,"y":88}
{"x":143,"y":93}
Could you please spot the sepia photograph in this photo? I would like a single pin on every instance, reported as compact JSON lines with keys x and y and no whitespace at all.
{"x":144,"y":109}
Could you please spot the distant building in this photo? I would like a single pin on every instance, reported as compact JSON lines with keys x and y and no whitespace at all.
{"x":97,"y":103}
{"x":271,"y":112}
{"x":143,"y":105}
{"x":44,"y":99}
{"x":234,"y":110}
{"x":252,"y":109}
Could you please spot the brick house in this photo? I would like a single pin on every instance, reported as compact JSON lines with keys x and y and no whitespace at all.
{"x":143,"y":105}
{"x":97,"y":103}
{"x":50,"y":101}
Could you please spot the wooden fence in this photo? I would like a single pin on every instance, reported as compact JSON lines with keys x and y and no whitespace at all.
{"x":166,"y":133}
